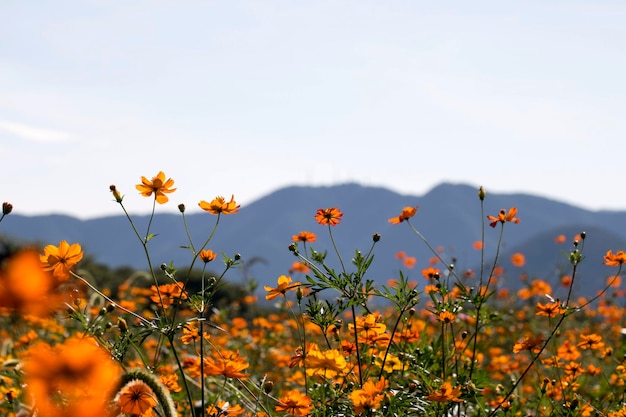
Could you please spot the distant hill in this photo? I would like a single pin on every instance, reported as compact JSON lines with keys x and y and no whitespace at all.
{"x":449,"y":216}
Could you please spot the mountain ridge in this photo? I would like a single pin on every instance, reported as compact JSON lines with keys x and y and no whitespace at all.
{"x":449,"y":215}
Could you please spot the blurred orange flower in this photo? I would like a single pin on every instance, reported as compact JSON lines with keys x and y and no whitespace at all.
{"x":32,"y":295}
{"x":503,"y":217}
{"x":406,"y":214}
{"x":560,"y":239}
{"x":518,"y":260}
{"x":294,"y":403}
{"x":477,"y":245}
{"x":61,"y":259}
{"x":445,"y":393}
{"x":220,"y":205}
{"x":304,"y":237}
{"x":72,"y":379}
{"x":614,"y":259}
{"x":136,"y":398}
{"x":299,"y":267}
{"x":331,"y":216}
{"x":158,"y":185}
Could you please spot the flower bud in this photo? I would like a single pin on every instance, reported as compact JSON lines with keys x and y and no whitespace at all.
{"x":116,"y":194}
{"x":7,"y":208}
{"x":376,"y":237}
{"x":268,"y":386}
{"x":237,"y":256}
{"x":121,"y":323}
{"x":181,"y":208}
{"x":481,"y":193}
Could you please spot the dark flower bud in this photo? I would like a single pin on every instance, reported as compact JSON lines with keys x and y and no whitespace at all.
{"x":376,"y":237}
{"x":268,"y":386}
{"x":164,"y":267}
{"x":292,"y":247}
{"x":116,"y":194}
{"x":583,"y":235}
{"x":121,"y":323}
{"x":237,"y":256}
{"x":110,"y":308}
{"x":181,"y":208}
{"x":481,"y":193}
{"x":7,"y":208}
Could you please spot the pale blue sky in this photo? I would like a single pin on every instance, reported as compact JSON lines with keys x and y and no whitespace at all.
{"x":245,"y":97}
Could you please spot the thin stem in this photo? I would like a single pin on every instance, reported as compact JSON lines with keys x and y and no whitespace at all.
{"x":332,"y":239}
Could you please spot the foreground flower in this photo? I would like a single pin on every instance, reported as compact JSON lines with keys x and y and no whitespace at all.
{"x":61,"y":259}
{"x":406,"y":214}
{"x":326,"y":364}
{"x":75,"y":378}
{"x":219,"y":205}
{"x":158,"y":185}
{"x":369,"y":397}
{"x":331,"y":216}
{"x":445,"y":393}
{"x":136,"y":398}
{"x":206,"y":255}
{"x":504,"y":217}
{"x":33,"y":295}
{"x":294,"y":403}
{"x":284,"y":285}
{"x":616,"y":259}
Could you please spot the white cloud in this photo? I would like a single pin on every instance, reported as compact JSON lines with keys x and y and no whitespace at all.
{"x":34,"y":134}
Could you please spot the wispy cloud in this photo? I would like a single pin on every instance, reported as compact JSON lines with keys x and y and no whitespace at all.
{"x":34,"y":134}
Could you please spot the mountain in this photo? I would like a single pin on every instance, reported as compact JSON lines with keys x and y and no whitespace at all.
{"x":449,"y":216}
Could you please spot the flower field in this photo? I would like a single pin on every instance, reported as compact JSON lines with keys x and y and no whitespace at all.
{"x":330,"y":341}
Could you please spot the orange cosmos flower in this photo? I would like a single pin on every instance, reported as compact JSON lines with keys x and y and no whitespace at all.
{"x":33,"y":295}
{"x":167,"y":294}
{"x":409,"y":262}
{"x":503,"y":217}
{"x":369,"y":397}
{"x":61,"y":259}
{"x":430,"y":273}
{"x":294,"y":403}
{"x":550,"y":309}
{"x":136,"y":398}
{"x":158,"y":185}
{"x":446,"y":317}
{"x":284,"y":285}
{"x":326,"y":364}
{"x":75,"y":378}
{"x":406,"y":214}
{"x":207,"y":255}
{"x":224,"y":409}
{"x":591,"y":341}
{"x":229,"y":364}
{"x":529,"y":343}
{"x":560,"y":239}
{"x":304,"y":237}
{"x":616,"y":259}
{"x":518,"y":260}
{"x":331,"y":216}
{"x":219,"y":205}
{"x":445,"y":393}
{"x":299,"y":267}
{"x":477,"y":245}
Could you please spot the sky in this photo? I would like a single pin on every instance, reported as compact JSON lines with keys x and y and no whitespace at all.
{"x":246,"y":97}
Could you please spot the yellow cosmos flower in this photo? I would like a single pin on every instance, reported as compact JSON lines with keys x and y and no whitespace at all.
{"x":158,"y":185}
{"x":61,"y":259}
